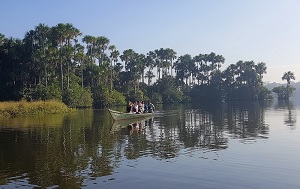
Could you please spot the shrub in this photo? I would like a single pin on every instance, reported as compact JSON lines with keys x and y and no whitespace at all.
{"x":41,"y":92}
{"x":104,"y":97}
{"x":24,"y":108}
{"x":76,"y":96}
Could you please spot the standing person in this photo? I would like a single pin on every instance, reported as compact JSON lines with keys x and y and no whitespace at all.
{"x":129,"y":107}
{"x":150,"y":107}
{"x":141,"y":107}
{"x":135,"y":107}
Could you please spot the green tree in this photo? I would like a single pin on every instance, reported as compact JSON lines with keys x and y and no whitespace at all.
{"x":288,"y":76}
{"x":283,"y":92}
{"x":114,"y":54}
{"x":184,"y":66}
{"x":149,"y":75}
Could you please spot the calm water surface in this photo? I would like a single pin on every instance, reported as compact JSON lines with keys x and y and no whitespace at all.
{"x":229,"y":145}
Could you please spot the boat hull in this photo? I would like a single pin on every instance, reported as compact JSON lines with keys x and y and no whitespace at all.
{"x":116,"y":115}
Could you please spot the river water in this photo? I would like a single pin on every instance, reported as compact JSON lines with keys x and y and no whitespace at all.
{"x":228,"y":145}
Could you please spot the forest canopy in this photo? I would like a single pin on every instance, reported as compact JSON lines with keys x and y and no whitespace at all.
{"x":61,"y":63}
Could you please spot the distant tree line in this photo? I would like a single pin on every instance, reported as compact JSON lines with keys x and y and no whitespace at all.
{"x":61,"y":63}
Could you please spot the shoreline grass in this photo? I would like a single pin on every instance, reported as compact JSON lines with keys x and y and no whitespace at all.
{"x":24,"y":108}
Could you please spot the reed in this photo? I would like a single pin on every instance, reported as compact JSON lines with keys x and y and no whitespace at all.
{"x":24,"y":108}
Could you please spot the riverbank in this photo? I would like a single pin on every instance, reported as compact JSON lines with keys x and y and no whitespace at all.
{"x":24,"y":108}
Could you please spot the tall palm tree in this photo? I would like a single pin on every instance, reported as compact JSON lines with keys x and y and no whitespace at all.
{"x":149,"y":74}
{"x":150,"y":60}
{"x":71,"y":36}
{"x":131,"y":60}
{"x":261,"y":69}
{"x":288,"y":76}
{"x":158,"y":61}
{"x":114,"y":54}
{"x":128,"y":57}
{"x":170,"y":56}
{"x":90,"y":45}
{"x":2,"y":37}
{"x":42,"y":34}
{"x":80,"y":58}
{"x":64,"y":35}
{"x":101,"y":46}
{"x":60,"y":35}
{"x":184,"y":66}
{"x":198,"y":61}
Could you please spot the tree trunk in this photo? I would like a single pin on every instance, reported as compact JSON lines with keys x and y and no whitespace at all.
{"x":61,"y":75}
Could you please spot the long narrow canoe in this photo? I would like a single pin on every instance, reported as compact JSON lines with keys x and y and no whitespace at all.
{"x":116,"y":115}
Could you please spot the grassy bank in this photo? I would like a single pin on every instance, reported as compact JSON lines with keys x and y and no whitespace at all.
{"x":24,"y":108}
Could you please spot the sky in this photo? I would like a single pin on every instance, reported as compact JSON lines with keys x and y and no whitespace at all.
{"x":255,"y":30}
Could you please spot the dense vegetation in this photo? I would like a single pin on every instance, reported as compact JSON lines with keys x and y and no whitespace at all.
{"x":61,"y":63}
{"x":285,"y":92}
{"x":24,"y":108}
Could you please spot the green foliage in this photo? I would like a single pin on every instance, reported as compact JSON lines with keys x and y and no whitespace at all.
{"x":168,"y":89}
{"x":265,"y":94}
{"x":205,"y":93}
{"x":50,"y":63}
{"x":283,"y":92}
{"x":157,"y":98}
{"x":139,"y":95}
{"x":24,"y":108}
{"x":171,"y":95}
{"x":104,"y":97}
{"x":76,"y":96}
{"x":42,"y":92}
{"x":243,"y":81}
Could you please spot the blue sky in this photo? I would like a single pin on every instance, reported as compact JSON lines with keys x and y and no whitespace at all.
{"x":259,"y":30}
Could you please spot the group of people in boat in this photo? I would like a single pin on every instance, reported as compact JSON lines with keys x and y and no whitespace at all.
{"x":139,"y":107}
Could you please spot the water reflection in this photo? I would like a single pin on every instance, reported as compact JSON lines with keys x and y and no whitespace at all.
{"x":69,"y":151}
{"x":291,"y":117}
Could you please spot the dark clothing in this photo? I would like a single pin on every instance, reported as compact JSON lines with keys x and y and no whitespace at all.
{"x":128,"y":109}
{"x":150,"y":108}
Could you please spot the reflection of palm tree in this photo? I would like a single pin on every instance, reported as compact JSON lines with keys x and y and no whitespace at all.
{"x":247,"y":120}
{"x":291,"y":119}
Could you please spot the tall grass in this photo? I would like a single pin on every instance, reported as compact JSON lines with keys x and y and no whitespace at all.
{"x":24,"y":108}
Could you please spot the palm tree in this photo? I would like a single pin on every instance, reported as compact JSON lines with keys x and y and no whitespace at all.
{"x":60,"y":35}
{"x":150,"y":60}
{"x":149,"y":74}
{"x":64,"y":35}
{"x":71,"y":35}
{"x":42,"y":33}
{"x":132,"y":61}
{"x":2,"y":37}
{"x":288,"y":76}
{"x":261,"y":69}
{"x":101,"y":45}
{"x":141,"y":65}
{"x":198,"y":61}
{"x":80,"y":57}
{"x":128,"y":57}
{"x":158,"y":60}
{"x":171,"y":55}
{"x":184,"y":66}
{"x":90,"y":45}
{"x":114,"y":54}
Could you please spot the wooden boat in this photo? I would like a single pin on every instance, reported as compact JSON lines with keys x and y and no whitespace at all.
{"x":116,"y":115}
